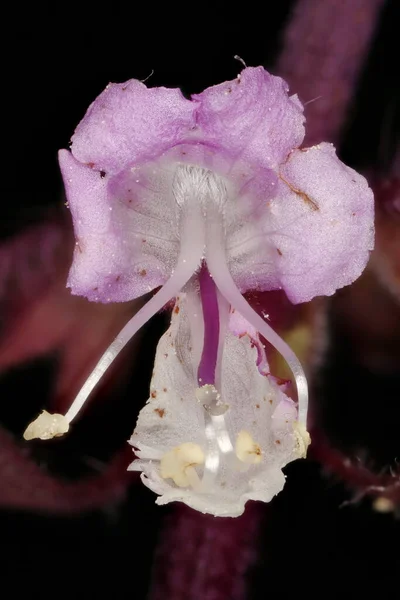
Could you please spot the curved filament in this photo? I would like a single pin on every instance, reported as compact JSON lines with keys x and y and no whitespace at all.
{"x":192,"y":248}
{"x":216,"y":262}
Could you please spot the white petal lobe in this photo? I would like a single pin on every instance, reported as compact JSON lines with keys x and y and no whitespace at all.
{"x":172,"y":434}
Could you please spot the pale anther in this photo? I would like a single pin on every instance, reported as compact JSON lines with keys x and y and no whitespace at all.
{"x":247,"y":450}
{"x":178,"y":464}
{"x":46,"y":427}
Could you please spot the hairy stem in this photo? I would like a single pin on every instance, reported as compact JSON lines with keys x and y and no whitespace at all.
{"x":325,"y":46}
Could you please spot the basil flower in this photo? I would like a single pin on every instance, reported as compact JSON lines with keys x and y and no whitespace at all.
{"x":204,"y":200}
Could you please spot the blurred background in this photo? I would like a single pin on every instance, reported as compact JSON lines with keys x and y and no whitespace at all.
{"x":68,"y":507}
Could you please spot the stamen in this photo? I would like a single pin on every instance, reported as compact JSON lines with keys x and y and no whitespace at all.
{"x":247,"y":450}
{"x":216,"y":262}
{"x":218,"y":443}
{"x":155,"y":304}
{"x":224,"y":316}
{"x":178,"y":464}
{"x":212,"y":461}
{"x":192,"y":248}
{"x":189,"y":260}
{"x":303,"y":439}
{"x":46,"y":427}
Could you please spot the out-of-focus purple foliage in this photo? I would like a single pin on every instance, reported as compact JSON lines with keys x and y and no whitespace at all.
{"x":324,"y":53}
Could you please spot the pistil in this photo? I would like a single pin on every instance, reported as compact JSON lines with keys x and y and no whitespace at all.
{"x":209,"y":301}
{"x":217,"y":434}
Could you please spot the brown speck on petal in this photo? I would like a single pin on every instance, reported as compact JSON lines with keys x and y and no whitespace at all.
{"x":305,"y":197}
{"x":160,"y":412}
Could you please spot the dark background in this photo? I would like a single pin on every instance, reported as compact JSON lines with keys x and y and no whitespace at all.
{"x":55,"y":61}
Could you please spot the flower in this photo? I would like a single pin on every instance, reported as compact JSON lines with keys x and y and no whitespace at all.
{"x":214,"y":451}
{"x":211,"y":197}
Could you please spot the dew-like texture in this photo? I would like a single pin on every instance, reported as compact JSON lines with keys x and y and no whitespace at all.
{"x":173,"y":416}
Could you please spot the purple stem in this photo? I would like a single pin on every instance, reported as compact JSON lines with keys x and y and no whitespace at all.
{"x":324,"y":50}
{"x":201,"y":557}
{"x":208,"y":361}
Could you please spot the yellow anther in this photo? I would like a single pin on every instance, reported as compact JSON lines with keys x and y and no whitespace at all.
{"x":178,"y":464}
{"x":246,"y":448}
{"x":46,"y":426}
{"x":302,"y":439}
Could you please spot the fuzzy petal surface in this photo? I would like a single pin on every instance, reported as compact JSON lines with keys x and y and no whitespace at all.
{"x":297,"y":220}
{"x":129,"y":122}
{"x":126,"y":244}
{"x":252,"y":117}
{"x":320,"y":223}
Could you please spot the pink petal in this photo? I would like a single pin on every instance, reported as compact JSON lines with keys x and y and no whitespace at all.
{"x":321,"y":224}
{"x":252,"y":117}
{"x":112,"y":262}
{"x":129,"y":122}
